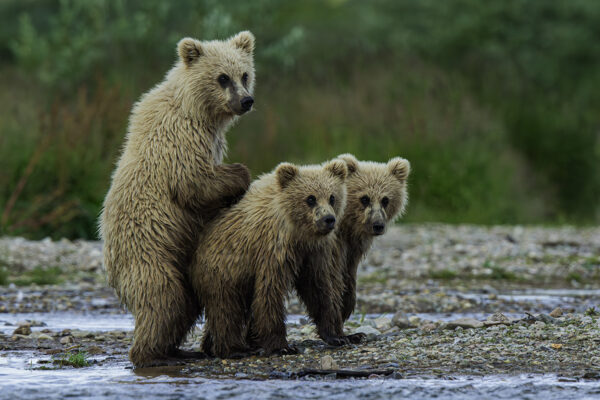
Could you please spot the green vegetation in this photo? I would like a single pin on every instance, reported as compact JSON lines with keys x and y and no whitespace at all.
{"x":76,"y":360}
{"x":39,"y":276}
{"x":3,"y":276}
{"x":443,"y":274}
{"x":494,"y":103}
{"x":574,"y":277}
{"x":592,"y":312}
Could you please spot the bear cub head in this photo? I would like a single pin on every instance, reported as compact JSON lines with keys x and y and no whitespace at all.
{"x":377,"y":194}
{"x":218,"y":75}
{"x":313,"y":197}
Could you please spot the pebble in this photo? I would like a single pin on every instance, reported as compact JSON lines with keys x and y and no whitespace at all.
{"x":67,"y":340}
{"x":401,"y":321}
{"x":370,"y":332}
{"x":464,"y":323}
{"x":327,"y":362}
{"x":557,"y":312}
{"x":24,"y":329}
{"x":382,"y":323}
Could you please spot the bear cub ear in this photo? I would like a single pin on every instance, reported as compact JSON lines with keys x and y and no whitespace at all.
{"x":189,"y":50}
{"x":351,"y":162}
{"x":244,"y":41}
{"x":285,"y":173}
{"x":400,"y":168}
{"x":338,"y":169}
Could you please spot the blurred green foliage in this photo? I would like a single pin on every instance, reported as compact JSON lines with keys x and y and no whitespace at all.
{"x":496,"y":104}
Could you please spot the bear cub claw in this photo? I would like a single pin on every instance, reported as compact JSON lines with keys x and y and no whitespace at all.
{"x":356,"y":338}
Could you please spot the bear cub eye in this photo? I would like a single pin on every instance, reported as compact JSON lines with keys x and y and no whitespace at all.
{"x":223,"y":80}
{"x":245,"y":78}
{"x":385,"y":201}
{"x":332,"y":200}
{"x":311,"y":200}
{"x":365,"y":200}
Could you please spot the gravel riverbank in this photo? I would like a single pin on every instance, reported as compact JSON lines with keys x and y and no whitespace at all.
{"x":434,"y":300}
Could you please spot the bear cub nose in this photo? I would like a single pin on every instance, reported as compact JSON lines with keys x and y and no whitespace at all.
{"x":378,"y":228}
{"x":246,"y":103}
{"x":327,"y":223}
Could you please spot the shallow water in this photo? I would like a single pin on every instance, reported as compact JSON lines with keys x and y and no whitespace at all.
{"x":19,"y":381}
{"x":19,"y":378}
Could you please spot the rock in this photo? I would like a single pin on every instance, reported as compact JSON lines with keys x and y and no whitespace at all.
{"x":383,"y":323}
{"x":497,"y":319}
{"x":43,"y":336}
{"x":82,"y":334}
{"x":95,"y":350}
{"x":427,"y":327}
{"x":370,"y":332}
{"x":465,"y":323}
{"x":307,"y":330}
{"x":67,"y":340}
{"x":327,"y":362}
{"x":401,"y":321}
{"x":414,"y":320}
{"x":24,"y":329}
{"x":557,"y":312}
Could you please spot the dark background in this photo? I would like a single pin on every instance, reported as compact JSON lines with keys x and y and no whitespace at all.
{"x":495,"y":103}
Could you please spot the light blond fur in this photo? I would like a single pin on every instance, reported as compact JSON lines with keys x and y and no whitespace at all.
{"x":248,"y":258}
{"x":168,"y":183}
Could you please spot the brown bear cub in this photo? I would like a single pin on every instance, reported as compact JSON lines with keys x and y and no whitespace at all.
{"x":376,"y":195}
{"x":250,"y":256}
{"x":170,"y":181}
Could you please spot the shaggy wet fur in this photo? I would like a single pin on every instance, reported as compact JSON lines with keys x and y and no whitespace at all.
{"x":169,"y":182}
{"x":251,"y":256}
{"x":375,"y":182}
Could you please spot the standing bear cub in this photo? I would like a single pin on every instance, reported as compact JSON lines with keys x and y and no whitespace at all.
{"x":377,"y":194}
{"x":169,"y":182}
{"x":249,"y":257}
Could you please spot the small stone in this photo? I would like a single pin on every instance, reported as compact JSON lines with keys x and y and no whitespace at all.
{"x":369,"y":331}
{"x":24,"y":329}
{"x":464,"y":323}
{"x":43,"y":336}
{"x":307,"y":330}
{"x":557,"y":312}
{"x":327,"y":362}
{"x":539,"y":324}
{"x":414,"y":320}
{"x":95,"y":350}
{"x":427,"y":327}
{"x":400,"y":320}
{"x":383,"y":323}
{"x":499,"y":318}
{"x":82,"y":334}
{"x":67,"y":340}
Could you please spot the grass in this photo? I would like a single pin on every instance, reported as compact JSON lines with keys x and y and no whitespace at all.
{"x":76,"y":360}
{"x":574,"y":276}
{"x":443,"y":274}
{"x":40,"y":276}
{"x":3,"y":276}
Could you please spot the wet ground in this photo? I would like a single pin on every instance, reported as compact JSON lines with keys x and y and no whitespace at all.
{"x":508,"y":325}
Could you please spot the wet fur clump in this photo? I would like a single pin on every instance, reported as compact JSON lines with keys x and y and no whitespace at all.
{"x":251,"y":256}
{"x":169,"y":182}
